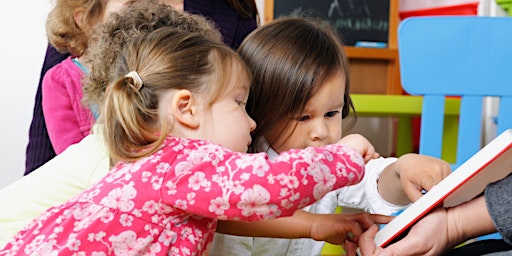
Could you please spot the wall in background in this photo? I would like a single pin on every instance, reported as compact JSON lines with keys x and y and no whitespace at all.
{"x":21,"y":57}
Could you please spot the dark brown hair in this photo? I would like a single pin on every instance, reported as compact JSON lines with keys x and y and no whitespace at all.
{"x":245,"y":8}
{"x":290,"y":58}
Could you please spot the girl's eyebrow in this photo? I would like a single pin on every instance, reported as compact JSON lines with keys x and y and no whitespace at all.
{"x":245,"y":87}
{"x":340,"y":105}
{"x":241,"y":88}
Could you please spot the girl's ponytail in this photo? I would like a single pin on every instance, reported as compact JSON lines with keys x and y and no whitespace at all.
{"x":125,"y":119}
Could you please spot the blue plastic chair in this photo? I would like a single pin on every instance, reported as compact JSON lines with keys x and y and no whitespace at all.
{"x":465,"y":56}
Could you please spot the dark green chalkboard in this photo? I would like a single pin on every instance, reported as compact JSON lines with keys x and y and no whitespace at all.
{"x":357,"y":20}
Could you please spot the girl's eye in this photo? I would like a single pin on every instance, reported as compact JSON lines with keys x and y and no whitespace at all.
{"x":240,"y":103}
{"x":302,"y":118}
{"x":332,"y":113}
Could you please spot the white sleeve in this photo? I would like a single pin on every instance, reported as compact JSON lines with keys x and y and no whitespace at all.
{"x":365,"y":195}
{"x":55,"y":182}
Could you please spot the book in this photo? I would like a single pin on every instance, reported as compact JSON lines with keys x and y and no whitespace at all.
{"x":491,"y":163}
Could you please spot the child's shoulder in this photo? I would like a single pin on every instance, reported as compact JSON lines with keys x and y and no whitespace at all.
{"x":65,"y":68}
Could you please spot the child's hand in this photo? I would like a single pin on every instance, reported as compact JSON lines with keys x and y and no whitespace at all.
{"x":344,"y":229}
{"x":361,"y":144}
{"x":420,"y":172}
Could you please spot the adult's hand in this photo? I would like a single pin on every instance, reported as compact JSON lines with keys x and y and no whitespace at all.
{"x":427,"y":237}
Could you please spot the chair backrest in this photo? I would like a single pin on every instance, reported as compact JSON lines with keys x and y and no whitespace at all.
{"x":466,"y":56}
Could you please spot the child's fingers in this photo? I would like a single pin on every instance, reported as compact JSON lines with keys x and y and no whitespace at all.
{"x":370,"y":155}
{"x":429,"y":173}
{"x":361,"y":144}
{"x":353,"y":226}
{"x":355,"y":230}
{"x":350,"y":248}
{"x":366,"y":220}
{"x":343,"y":231}
{"x":415,"y":191}
{"x":381,"y":219}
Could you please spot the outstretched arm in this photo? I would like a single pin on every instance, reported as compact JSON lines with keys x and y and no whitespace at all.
{"x":333,"y":228}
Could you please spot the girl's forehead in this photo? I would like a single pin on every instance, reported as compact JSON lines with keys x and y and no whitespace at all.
{"x":241,"y":75}
{"x":331,"y":91}
{"x":240,"y":83}
{"x":229,"y":76}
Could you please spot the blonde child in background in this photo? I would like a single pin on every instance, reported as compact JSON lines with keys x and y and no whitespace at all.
{"x":176,"y":98}
{"x":299,"y":97}
{"x":70,"y":26}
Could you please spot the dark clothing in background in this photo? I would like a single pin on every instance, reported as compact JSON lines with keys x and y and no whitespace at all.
{"x":39,"y":148}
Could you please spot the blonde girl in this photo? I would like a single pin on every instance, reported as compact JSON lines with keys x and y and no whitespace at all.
{"x":70,"y":27}
{"x":85,"y":162}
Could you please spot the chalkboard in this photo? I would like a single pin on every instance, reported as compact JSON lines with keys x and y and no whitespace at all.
{"x":357,"y":20}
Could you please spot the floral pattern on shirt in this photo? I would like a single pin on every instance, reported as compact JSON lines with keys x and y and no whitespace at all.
{"x":169,"y":203}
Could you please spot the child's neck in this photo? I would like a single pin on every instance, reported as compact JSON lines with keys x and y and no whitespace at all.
{"x":84,"y":61}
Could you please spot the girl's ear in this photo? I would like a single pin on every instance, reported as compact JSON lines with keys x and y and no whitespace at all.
{"x":78,"y":16}
{"x":184,"y":109}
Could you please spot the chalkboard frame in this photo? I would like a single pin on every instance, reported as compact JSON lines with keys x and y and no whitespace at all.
{"x":392,"y":23}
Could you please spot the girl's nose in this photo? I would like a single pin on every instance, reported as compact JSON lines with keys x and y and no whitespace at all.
{"x":320,"y":131}
{"x":252,"y":123}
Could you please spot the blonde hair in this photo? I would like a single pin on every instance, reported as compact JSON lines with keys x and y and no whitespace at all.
{"x":63,"y":32}
{"x":137,"y":18}
{"x":164,"y":59}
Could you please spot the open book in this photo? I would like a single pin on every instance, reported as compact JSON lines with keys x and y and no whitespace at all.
{"x":492,"y":163}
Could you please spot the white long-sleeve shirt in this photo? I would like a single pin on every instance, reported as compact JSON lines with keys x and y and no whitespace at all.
{"x":363,"y":196}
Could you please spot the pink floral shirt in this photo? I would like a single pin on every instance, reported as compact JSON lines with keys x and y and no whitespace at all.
{"x":169,"y":203}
